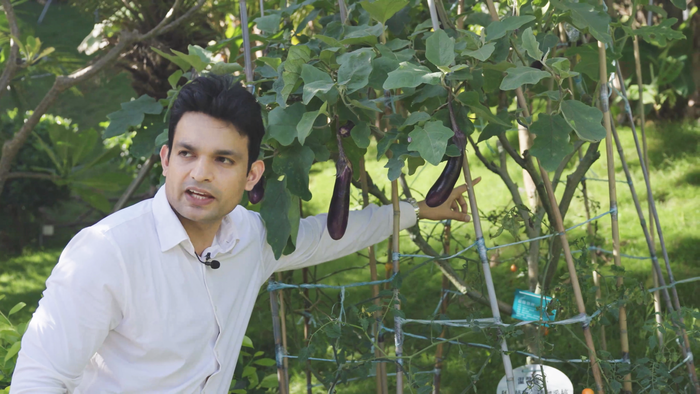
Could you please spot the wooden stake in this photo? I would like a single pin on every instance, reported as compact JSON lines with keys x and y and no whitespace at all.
{"x":443,"y":311}
{"x":612,"y":195}
{"x":398,"y":333}
{"x":685,"y":346}
{"x":279,"y":350}
{"x":381,"y":379}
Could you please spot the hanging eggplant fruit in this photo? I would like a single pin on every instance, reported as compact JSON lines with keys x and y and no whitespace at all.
{"x":438,"y":194}
{"x":258,"y":192}
{"x":441,"y":190}
{"x":339,"y":210}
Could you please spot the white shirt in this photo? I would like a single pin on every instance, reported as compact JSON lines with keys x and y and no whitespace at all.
{"x":130,"y":309}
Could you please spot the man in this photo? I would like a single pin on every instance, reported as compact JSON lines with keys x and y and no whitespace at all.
{"x":131,"y":308}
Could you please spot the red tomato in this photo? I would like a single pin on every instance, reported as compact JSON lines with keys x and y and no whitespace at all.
{"x":513,"y":268}
{"x":588,"y":391}
{"x":546,"y":331}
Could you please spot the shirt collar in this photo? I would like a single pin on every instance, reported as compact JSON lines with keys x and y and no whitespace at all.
{"x":171,"y":232}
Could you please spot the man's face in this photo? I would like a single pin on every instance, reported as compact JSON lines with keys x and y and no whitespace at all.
{"x":207,"y":170}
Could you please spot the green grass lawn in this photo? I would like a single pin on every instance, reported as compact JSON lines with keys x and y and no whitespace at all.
{"x":675,"y":165}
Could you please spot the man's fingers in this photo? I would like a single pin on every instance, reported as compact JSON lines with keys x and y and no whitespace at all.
{"x":460,"y":216}
{"x":454,"y":206}
{"x":463,"y":203}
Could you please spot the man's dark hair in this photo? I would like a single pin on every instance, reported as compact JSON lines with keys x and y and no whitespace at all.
{"x":221,"y":98}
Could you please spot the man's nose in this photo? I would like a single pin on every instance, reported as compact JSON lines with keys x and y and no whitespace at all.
{"x":202,"y":170}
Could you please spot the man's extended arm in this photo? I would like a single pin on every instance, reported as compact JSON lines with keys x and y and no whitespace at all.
{"x":82,"y":302}
{"x":366,"y":227}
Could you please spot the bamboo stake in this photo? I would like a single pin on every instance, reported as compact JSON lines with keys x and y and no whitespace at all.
{"x":676,"y":302}
{"x":381,"y":379}
{"x":398,"y":335}
{"x":279,"y":350}
{"x":559,"y":225}
{"x":640,"y":85}
{"x":486,"y":267}
{"x":443,"y":311}
{"x":305,"y":279}
{"x":283,"y":321}
{"x":612,"y":195}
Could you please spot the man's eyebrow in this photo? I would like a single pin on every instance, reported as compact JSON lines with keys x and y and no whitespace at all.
{"x":185,"y":145}
{"x":226,"y":152}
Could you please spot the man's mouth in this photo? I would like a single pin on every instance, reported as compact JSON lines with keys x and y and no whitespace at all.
{"x":199,"y":194}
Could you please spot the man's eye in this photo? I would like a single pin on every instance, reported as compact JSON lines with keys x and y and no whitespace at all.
{"x":225,"y":160}
{"x":184,"y":153}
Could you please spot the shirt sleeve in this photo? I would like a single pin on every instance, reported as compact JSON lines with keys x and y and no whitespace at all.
{"x":83,"y":301}
{"x":314,"y":245}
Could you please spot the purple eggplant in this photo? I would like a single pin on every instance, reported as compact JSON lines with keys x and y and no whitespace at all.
{"x":258,"y":192}
{"x":438,"y":194}
{"x":339,"y":210}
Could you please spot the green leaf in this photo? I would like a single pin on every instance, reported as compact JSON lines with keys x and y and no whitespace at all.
{"x":499,"y":29}
{"x":362,"y":35}
{"x":413,"y":118}
{"x":269,"y":23}
{"x":584,"y":119}
{"x":355,"y":68}
{"x":530,"y":44}
{"x":193,"y":60}
{"x":680,"y":4}
{"x":483,"y":53}
{"x":360,"y":134}
{"x":521,"y":75}
{"x":440,"y":49}
{"x":552,"y":143}
{"x":223,"y":68}
{"x":430,"y":141}
{"x":247,"y":342}
{"x":295,"y":163}
{"x":274,"y":209}
{"x":587,"y":60}
{"x":659,"y":34}
{"x":307,"y":122}
{"x":491,"y":130}
{"x":585,"y":16}
{"x":13,"y":350}
{"x":471,"y":99}
{"x":131,"y":115}
{"x":265,"y":362}
{"x":409,"y":75}
{"x":184,"y":65}
{"x":382,"y":10}
{"x":96,"y":200}
{"x":316,"y":82}
{"x":561,"y":67}
{"x":394,"y":165}
{"x":174,"y":78}
{"x":282,"y":123}
{"x":16,"y":308}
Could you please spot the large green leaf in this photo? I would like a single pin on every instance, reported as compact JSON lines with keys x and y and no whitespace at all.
{"x":430,"y":141}
{"x":274,"y":212}
{"x":482,"y":53}
{"x":680,"y":4}
{"x":269,"y":23}
{"x":530,"y":44}
{"x":355,"y":68}
{"x":440,"y":49}
{"x":552,"y":142}
{"x":499,"y":29}
{"x":409,"y":75}
{"x":382,"y":10}
{"x":587,"y":60}
{"x":282,"y":123}
{"x":586,"y":16}
{"x":131,"y":114}
{"x":143,"y":143}
{"x":183,"y":64}
{"x":307,"y":121}
{"x":584,"y":119}
{"x":316,"y":83}
{"x":471,"y":99}
{"x":360,"y":134}
{"x":414,"y":118}
{"x":395,"y":164}
{"x":661,"y":33}
{"x":294,"y":163}
{"x":362,"y":35}
{"x":521,"y":75}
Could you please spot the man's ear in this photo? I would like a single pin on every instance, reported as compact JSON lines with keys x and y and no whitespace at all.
{"x":165,"y":158}
{"x":254,"y":175}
